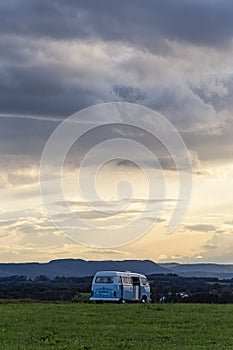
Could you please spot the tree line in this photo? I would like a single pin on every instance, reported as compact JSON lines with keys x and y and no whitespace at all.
{"x":168,"y":288}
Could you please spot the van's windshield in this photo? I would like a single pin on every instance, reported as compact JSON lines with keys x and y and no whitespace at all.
{"x":104,"y":279}
{"x":144,"y":281}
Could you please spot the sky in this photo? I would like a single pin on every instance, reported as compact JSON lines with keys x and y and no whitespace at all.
{"x":59,"y":57}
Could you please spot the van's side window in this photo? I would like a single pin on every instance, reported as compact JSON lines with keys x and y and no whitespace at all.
{"x":104,"y":279}
{"x":126,"y":280}
{"x":119,"y":280}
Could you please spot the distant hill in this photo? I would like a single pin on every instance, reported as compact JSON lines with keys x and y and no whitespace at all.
{"x":201,"y":270}
{"x":82,"y":268}
{"x":78,"y":268}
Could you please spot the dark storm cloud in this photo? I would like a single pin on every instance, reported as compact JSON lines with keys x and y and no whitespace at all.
{"x":129,"y":93}
{"x":39,"y":79}
{"x":216,"y":91}
{"x":48,"y":90}
{"x":35,"y":80}
{"x":207,"y":22}
{"x":22,"y":136}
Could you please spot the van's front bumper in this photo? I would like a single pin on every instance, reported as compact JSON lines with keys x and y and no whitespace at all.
{"x":104,"y":299}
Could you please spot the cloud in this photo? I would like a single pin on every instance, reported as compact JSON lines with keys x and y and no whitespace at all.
{"x":58,"y":57}
{"x":230,"y":223}
{"x":17,"y":170}
{"x":104,"y":252}
{"x":201,"y":227}
{"x":151,"y":55}
{"x":57,"y":77}
{"x":126,"y":163}
{"x":198,"y":22}
{"x":219,"y":247}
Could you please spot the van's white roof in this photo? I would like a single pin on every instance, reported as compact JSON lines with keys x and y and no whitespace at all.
{"x":118,"y":273}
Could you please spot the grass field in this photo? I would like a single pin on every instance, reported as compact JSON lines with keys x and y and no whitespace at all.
{"x":125,"y":326}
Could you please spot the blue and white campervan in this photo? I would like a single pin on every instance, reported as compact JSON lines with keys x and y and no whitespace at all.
{"x":120,"y":286}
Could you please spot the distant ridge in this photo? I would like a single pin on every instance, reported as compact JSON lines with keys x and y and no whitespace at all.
{"x":221,"y":271}
{"x":78,"y":268}
{"x":82,"y":268}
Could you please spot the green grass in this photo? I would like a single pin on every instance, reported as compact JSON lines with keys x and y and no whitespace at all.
{"x":125,"y":326}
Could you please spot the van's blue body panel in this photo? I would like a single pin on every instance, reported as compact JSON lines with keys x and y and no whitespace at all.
{"x":120,"y":286}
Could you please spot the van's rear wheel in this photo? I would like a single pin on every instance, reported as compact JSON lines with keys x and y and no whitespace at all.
{"x":144,"y":299}
{"x":122,"y":301}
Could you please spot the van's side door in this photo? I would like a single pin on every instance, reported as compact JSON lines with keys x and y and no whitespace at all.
{"x":127,"y":288}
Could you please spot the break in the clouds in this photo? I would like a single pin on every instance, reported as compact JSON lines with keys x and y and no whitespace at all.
{"x":57,"y":57}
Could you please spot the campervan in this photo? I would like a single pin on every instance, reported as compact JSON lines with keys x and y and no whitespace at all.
{"x":117,"y":286}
